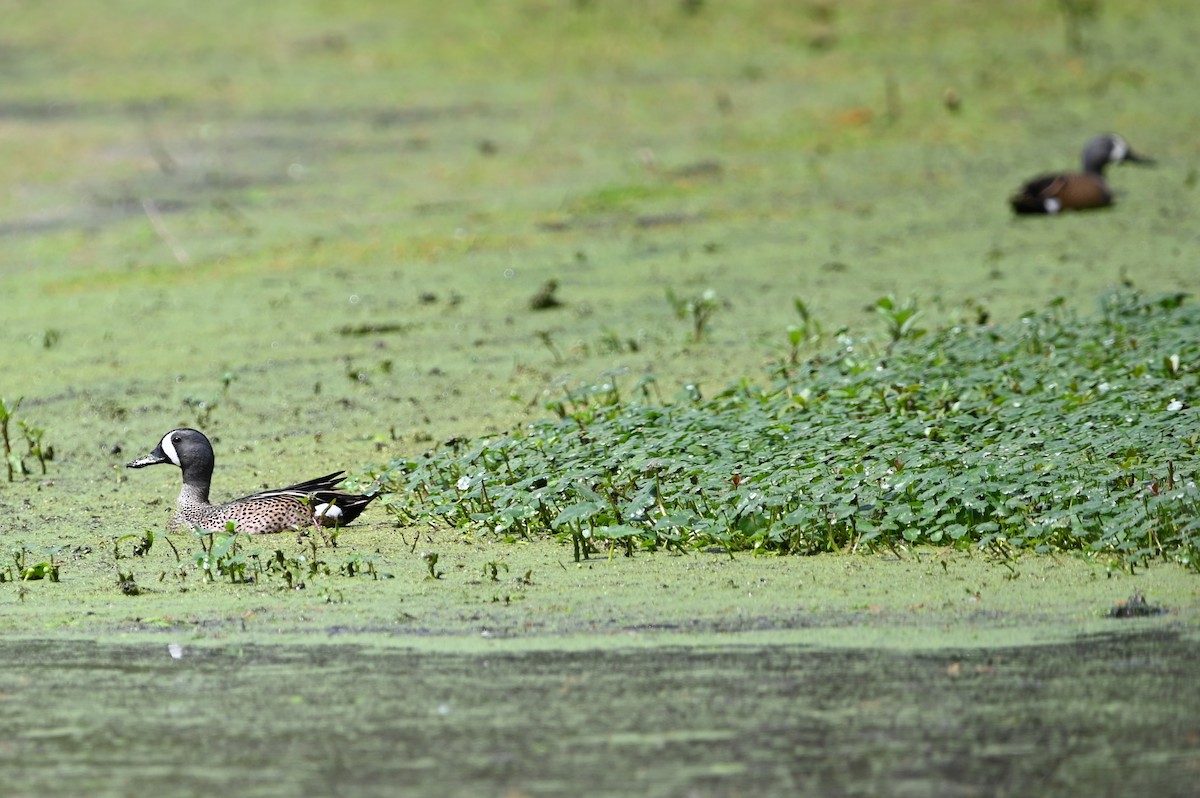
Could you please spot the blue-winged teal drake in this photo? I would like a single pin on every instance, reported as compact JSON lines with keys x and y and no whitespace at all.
{"x":308,"y":504}
{"x":1077,"y":191}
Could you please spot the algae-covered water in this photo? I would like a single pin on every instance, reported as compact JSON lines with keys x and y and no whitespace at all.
{"x":315,"y":231}
{"x":1105,"y":715}
{"x":689,"y":675}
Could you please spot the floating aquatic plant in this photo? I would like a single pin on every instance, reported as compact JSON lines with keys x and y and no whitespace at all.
{"x":34,"y":440}
{"x":1055,"y":433}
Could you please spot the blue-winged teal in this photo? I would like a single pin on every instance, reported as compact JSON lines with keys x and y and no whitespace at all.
{"x":1077,"y":191}
{"x":308,"y":504}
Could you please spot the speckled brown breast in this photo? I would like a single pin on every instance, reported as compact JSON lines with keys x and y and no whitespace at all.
{"x":1074,"y":192}
{"x":261,"y":516}
{"x":1080,"y":192}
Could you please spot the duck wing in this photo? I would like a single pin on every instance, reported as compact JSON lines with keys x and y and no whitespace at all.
{"x":1040,"y":195}
{"x":319,"y":494}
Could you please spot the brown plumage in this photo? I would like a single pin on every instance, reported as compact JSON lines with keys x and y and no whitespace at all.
{"x":1077,"y":191}
{"x":314,"y":503}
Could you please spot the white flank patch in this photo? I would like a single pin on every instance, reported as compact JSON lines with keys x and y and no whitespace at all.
{"x":175,"y":650}
{"x":328,"y":511}
{"x":169,"y":448}
{"x":1053,"y":205}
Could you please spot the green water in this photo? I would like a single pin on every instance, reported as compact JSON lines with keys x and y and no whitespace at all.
{"x":205,"y":201}
{"x":1108,"y":714}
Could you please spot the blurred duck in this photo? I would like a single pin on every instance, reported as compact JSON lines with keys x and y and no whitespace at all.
{"x":1077,"y":191}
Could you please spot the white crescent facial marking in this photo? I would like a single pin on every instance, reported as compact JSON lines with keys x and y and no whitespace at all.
{"x":1053,"y":205}
{"x":169,"y":448}
{"x":1119,"y":150}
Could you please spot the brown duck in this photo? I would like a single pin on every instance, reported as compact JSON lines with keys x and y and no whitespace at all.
{"x":1077,"y":191}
